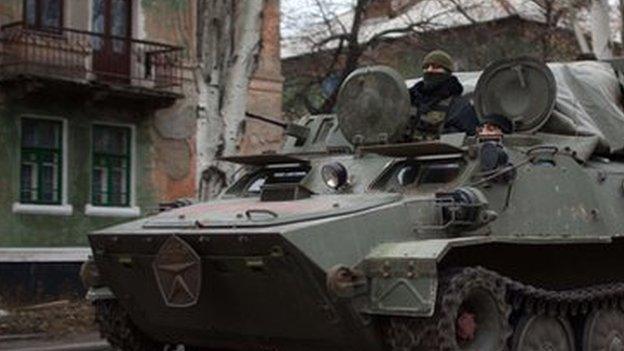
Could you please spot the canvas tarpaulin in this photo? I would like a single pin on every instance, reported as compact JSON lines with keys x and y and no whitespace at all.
{"x":587,"y":116}
{"x":588,"y":104}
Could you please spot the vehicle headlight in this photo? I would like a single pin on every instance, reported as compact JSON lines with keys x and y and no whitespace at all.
{"x":334,"y":175}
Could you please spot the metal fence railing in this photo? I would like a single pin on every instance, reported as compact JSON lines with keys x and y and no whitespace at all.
{"x":76,"y":54}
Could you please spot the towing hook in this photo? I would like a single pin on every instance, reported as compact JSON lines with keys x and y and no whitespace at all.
{"x":344,"y":282}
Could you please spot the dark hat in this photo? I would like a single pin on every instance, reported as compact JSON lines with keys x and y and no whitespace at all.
{"x":439,"y":58}
{"x":500,"y":121}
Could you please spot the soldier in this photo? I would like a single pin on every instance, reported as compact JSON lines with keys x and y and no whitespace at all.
{"x":493,"y":126}
{"x":440,"y":108}
{"x":493,"y":156}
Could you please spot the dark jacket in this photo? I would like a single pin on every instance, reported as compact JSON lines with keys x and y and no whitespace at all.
{"x":460,"y":114}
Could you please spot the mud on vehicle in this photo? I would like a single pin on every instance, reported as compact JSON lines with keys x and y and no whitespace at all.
{"x":351,"y":238}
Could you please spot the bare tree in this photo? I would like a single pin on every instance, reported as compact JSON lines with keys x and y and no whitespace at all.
{"x":601,"y":30}
{"x":229,"y":41}
{"x":555,"y":14}
{"x":340,"y":42}
{"x":621,"y":13}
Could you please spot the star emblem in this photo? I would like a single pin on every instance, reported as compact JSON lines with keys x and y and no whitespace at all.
{"x":177,"y":268}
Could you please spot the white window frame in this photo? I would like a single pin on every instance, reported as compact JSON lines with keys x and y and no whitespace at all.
{"x":107,"y":211}
{"x":64,"y":209}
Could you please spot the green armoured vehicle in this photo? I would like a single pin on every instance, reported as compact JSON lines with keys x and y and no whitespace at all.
{"x":352,"y":239}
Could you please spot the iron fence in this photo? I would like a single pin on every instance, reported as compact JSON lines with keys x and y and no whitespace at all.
{"x":88,"y":56}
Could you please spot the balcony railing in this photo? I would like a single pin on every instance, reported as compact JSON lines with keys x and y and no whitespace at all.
{"x":64,"y":53}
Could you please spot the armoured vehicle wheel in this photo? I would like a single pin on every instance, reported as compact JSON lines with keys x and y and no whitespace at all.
{"x":473,"y":312}
{"x":118,"y":329}
{"x":543,"y":332}
{"x":604,"y":330}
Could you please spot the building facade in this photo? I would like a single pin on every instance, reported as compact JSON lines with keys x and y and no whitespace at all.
{"x":98,"y":117}
{"x":92,"y":103}
{"x":98,"y":112}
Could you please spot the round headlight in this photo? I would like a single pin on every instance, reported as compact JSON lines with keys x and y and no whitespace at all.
{"x":334,"y":175}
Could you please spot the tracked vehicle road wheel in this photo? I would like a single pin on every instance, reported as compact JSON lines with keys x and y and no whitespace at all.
{"x":604,"y":331}
{"x":543,"y":332}
{"x":118,"y":329}
{"x":473,"y":312}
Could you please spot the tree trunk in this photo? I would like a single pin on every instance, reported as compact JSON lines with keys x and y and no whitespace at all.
{"x":228,"y":43}
{"x":621,"y":8}
{"x":353,"y":52}
{"x":601,"y":32}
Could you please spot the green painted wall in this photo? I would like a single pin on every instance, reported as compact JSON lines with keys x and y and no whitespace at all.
{"x":29,"y":230}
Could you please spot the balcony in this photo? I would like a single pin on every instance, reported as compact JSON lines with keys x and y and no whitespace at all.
{"x":106,"y":65}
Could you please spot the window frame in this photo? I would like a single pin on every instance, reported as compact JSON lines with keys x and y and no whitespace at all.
{"x":38,"y":26}
{"x":62,"y":208}
{"x":103,"y":210}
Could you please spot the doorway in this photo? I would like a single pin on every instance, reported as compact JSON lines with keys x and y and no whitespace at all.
{"x":112,"y":21}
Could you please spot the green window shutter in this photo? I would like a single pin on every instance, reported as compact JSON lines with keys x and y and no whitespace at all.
{"x":41,"y":170}
{"x":110,"y":174}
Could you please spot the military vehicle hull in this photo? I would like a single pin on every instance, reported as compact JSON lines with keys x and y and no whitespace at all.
{"x":250,"y":282}
{"x":354,"y":240}
{"x":268,"y":286}
{"x":250,"y":293}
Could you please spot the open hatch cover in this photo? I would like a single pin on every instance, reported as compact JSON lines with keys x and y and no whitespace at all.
{"x":264,"y":159}
{"x":522,"y":89}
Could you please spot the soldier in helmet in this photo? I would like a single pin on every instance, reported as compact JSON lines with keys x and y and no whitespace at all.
{"x":440,"y":108}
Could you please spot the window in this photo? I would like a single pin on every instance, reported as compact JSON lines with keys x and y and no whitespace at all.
{"x":111,"y":170}
{"x":323,"y":130}
{"x":111,"y":17}
{"x":44,"y":14}
{"x":420,"y":175}
{"x":41,"y":162}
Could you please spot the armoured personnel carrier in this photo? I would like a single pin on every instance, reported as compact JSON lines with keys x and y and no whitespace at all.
{"x":353,"y":239}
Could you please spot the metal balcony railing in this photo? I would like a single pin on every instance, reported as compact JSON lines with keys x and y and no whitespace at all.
{"x":64,"y":53}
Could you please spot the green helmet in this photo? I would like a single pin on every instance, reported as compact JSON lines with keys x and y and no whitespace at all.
{"x":439,"y":58}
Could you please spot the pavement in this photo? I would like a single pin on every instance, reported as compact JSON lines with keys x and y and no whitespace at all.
{"x":38,"y":342}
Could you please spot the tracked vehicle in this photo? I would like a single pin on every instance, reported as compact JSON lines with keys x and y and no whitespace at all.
{"x":351,"y":238}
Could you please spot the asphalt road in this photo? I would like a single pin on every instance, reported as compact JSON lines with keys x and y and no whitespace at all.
{"x":83,"y":342}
